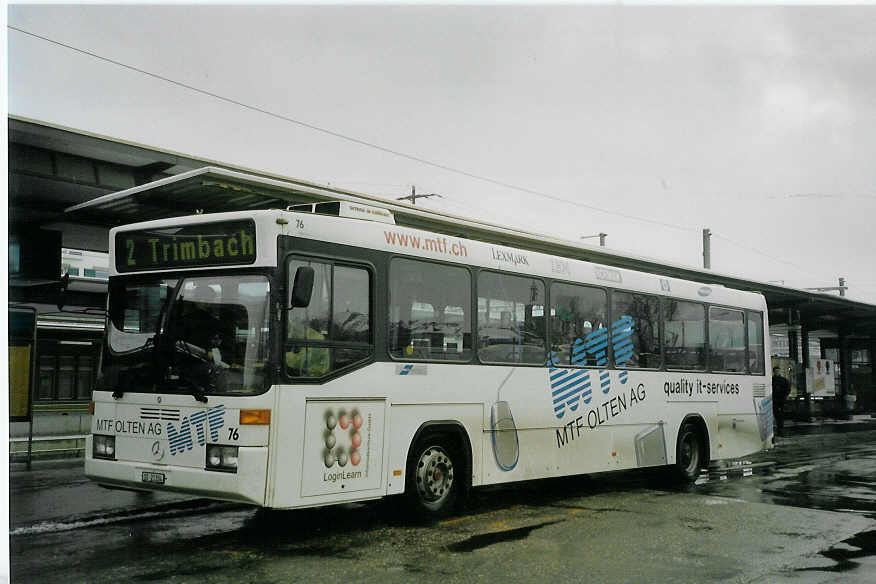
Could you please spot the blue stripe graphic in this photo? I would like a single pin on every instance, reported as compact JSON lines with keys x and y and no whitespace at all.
{"x":216,"y":416}
{"x":181,"y":440}
{"x":597,"y":346}
{"x":568,"y":386}
{"x":197,"y":419}
{"x":567,"y":395}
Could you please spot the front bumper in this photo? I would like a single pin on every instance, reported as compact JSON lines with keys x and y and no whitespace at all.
{"x":246,"y":485}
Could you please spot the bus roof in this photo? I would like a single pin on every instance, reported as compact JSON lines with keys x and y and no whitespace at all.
{"x":213,"y":189}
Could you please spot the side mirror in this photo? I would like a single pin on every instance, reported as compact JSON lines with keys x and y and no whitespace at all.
{"x":302,"y":288}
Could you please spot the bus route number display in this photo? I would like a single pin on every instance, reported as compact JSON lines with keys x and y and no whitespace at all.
{"x":187,"y":246}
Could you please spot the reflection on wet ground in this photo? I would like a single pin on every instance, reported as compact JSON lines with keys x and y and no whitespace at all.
{"x":805,"y":474}
{"x":814,"y":472}
{"x":835,"y":472}
{"x":859,"y":546}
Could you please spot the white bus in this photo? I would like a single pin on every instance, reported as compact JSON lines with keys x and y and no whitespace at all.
{"x":307,"y":357}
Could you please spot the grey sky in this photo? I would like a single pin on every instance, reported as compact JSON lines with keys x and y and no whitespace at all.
{"x":757,"y":122}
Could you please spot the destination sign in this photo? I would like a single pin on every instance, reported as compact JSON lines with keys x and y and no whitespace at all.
{"x":187,"y":246}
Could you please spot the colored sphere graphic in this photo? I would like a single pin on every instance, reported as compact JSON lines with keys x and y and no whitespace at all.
{"x":344,"y":448}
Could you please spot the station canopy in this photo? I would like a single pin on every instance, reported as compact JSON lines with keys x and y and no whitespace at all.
{"x":214,"y":190}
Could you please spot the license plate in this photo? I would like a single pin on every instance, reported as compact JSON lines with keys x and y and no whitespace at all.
{"x":156,"y":478}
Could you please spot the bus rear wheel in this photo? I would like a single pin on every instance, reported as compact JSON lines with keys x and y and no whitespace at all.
{"x":690,"y":455}
{"x":432,"y":482}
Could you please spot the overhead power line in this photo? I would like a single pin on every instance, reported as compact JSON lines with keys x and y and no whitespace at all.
{"x":346,"y":137}
{"x":775,"y":259}
{"x":384,"y":149}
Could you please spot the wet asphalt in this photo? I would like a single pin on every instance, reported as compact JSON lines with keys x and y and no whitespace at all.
{"x":802,"y":512}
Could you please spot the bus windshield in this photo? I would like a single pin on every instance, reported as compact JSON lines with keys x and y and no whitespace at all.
{"x":200,"y":335}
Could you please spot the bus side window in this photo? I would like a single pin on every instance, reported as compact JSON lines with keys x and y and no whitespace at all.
{"x":576,"y":313}
{"x":635,"y":330}
{"x":429,"y":311}
{"x":755,"y":343}
{"x":726,"y":340}
{"x":510,"y":319}
{"x":685,"y":335}
{"x":334,"y":330}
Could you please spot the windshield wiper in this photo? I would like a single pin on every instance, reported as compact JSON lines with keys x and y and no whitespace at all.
{"x":139,"y":371}
{"x":198,"y":392}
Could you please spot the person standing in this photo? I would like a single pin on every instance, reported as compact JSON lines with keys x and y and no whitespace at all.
{"x":781,"y":390}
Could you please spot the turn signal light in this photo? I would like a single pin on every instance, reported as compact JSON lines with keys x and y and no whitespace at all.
{"x":91,"y":408}
{"x":255,"y":417}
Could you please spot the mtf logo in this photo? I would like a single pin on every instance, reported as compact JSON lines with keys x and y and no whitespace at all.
{"x":570,"y":386}
{"x":181,"y":440}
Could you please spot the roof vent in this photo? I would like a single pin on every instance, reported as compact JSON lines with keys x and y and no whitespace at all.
{"x":345,"y":209}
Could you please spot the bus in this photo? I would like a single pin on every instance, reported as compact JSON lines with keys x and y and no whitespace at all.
{"x":322,"y":354}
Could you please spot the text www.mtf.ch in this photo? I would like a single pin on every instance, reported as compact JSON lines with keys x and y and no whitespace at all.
{"x":433,"y":244}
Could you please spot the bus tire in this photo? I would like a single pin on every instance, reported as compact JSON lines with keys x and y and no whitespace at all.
{"x":434,"y":476}
{"x":690,"y":453}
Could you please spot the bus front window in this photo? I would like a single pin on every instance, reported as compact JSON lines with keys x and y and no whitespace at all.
{"x":203,"y":335}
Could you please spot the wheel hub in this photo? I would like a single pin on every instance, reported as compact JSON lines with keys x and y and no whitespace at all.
{"x":434,"y":474}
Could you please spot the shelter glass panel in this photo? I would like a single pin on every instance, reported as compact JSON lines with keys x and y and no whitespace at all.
{"x":46,"y":388}
{"x":85,"y":377}
{"x":66,"y":376}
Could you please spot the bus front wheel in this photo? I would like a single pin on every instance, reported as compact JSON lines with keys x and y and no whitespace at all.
{"x":690,"y":455}
{"x":432,"y":481}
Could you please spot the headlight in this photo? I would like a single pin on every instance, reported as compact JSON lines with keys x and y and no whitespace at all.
{"x":222,"y":458}
{"x":104,"y":447}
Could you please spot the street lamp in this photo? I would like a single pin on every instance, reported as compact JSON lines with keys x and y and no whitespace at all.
{"x":601,"y":237}
{"x":842,"y":288}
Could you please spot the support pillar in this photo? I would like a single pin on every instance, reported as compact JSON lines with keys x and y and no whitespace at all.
{"x":807,"y":397}
{"x":845,"y":357}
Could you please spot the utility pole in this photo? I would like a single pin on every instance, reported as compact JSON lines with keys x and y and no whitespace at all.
{"x":414,"y":196}
{"x":707,"y":249}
